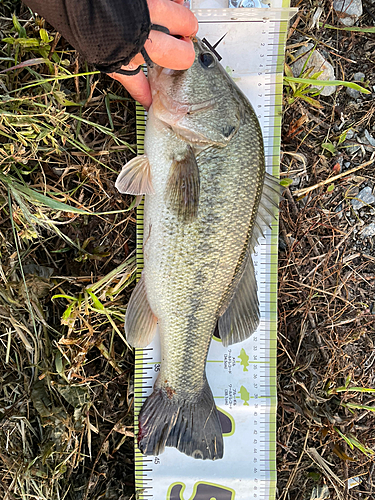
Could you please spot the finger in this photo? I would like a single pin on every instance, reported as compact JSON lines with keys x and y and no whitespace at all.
{"x":166,"y":51}
{"x":181,"y":2}
{"x":136,"y":61}
{"x":137,"y":86}
{"x":174,"y":16}
{"x":170,"y":52}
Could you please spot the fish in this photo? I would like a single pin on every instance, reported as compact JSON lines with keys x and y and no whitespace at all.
{"x":244,"y":360}
{"x":208,"y":199}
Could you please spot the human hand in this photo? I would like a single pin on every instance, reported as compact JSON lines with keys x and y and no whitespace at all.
{"x":163,"y":49}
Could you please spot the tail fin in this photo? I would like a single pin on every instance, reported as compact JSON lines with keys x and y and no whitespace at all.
{"x":193,"y":427}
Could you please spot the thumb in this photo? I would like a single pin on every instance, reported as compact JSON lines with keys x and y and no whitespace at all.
{"x":137,"y":86}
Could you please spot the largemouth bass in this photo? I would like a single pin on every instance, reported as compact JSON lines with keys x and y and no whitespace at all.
{"x":208,"y":199}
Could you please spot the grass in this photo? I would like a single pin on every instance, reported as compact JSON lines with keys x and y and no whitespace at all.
{"x":66,"y":242}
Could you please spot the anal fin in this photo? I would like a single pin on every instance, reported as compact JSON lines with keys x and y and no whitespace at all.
{"x":140,"y":322}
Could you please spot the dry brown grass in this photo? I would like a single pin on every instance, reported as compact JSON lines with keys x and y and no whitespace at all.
{"x":326,"y":377}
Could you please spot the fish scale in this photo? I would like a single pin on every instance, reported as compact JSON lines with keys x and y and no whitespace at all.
{"x":173,"y":273}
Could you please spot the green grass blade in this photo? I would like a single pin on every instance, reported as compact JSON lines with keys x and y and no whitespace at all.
{"x":327,"y":83}
{"x":358,"y":406}
{"x":351,"y":389}
{"x":53,"y":79}
{"x":349,"y":28}
{"x":15,"y":186}
{"x":109,"y":277}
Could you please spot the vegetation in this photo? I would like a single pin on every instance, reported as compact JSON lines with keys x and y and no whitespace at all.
{"x":326,"y":268}
{"x":66,"y":242}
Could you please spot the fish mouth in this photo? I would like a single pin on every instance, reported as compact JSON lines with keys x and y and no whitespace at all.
{"x":164,"y":103}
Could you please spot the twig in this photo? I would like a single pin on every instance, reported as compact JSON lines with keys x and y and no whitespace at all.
{"x":304,"y":191}
{"x":287,"y":194}
{"x":292,"y":476}
{"x":342,"y":57}
{"x":294,"y":26}
{"x":366,"y":9}
{"x":328,"y":472}
{"x":324,"y":292}
{"x":346,"y":472}
{"x":100,"y":452}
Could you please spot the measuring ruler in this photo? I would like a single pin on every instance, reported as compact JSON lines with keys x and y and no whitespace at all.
{"x":242,"y":376}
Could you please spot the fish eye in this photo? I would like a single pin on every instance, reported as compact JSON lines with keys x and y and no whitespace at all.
{"x":207,"y":60}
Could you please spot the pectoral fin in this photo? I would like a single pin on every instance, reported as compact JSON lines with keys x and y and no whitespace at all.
{"x":140,"y":322}
{"x":183,"y":186}
{"x":135,"y":177}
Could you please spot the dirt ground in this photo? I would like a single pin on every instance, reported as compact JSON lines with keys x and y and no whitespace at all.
{"x":66,"y":422}
{"x":327,"y":270}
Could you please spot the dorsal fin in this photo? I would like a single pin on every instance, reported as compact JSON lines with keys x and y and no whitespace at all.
{"x":268,"y":208}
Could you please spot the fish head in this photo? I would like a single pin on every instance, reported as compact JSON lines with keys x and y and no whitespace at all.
{"x":201,"y":104}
